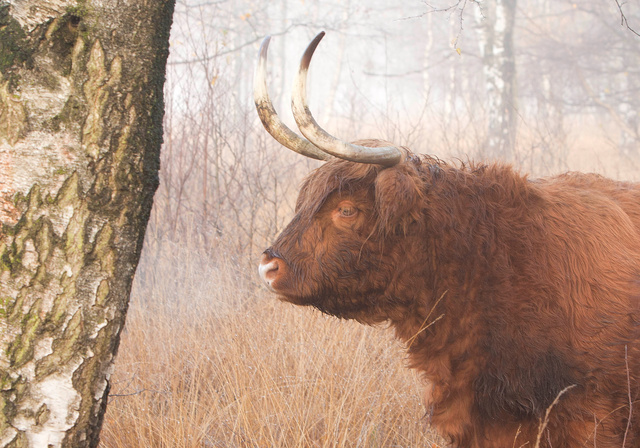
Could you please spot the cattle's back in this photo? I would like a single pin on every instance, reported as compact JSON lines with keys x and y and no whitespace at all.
{"x":551,"y":279}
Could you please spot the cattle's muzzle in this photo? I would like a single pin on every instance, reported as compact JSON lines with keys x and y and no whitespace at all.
{"x":271,"y":268}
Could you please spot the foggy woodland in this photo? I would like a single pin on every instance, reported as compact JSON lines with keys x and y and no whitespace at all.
{"x":208,"y":357}
{"x":548,"y":86}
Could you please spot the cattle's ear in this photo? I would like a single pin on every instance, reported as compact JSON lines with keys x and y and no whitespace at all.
{"x":399,"y":195}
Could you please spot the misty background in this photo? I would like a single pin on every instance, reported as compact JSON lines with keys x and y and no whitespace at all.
{"x":208,"y":356}
{"x":546,"y":85}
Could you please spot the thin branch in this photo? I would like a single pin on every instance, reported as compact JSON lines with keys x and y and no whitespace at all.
{"x":231,"y":50}
{"x":612,"y":111}
{"x":626,"y":363}
{"x":458,"y":7}
{"x":137,"y":392}
{"x":544,"y":423}
{"x":623,"y":19}
{"x":424,"y":325}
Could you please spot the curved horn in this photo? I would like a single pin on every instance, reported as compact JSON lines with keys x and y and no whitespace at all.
{"x":388,"y":155}
{"x":269,"y":116}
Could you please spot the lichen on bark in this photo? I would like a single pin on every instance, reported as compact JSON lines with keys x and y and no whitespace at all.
{"x":78,"y":169}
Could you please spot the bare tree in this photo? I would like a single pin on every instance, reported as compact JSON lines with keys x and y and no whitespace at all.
{"x":81,"y":106}
{"x":496,"y":20}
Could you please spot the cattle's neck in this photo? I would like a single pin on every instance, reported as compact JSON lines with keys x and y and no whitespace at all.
{"x":463,"y":261}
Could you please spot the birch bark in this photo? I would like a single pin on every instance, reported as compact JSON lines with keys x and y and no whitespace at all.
{"x":81,"y":106}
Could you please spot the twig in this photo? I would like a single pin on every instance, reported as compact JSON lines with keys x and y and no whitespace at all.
{"x":543,"y":426}
{"x":231,"y":50}
{"x":458,"y":7}
{"x":138,"y":392}
{"x":516,"y":438}
{"x":626,"y":363}
{"x":424,"y":325}
{"x":624,"y":22}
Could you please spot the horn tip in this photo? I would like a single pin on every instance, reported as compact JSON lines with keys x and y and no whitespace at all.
{"x":265,"y":44}
{"x":316,"y":40}
{"x":311,"y":48}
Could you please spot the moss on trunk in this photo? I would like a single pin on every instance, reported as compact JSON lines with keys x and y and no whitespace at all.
{"x":81,"y":111}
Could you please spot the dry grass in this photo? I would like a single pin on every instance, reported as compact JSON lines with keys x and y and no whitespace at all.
{"x":210,"y":359}
{"x":226,"y":365}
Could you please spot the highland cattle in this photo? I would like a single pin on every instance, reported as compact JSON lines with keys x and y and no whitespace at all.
{"x":518,"y":299}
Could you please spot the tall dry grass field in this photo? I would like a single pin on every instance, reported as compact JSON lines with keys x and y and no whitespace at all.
{"x":210,"y":359}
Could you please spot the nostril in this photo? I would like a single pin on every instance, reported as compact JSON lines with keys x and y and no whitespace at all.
{"x":272,"y":269}
{"x":269,"y":271}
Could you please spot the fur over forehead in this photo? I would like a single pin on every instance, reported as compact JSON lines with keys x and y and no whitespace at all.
{"x":334,"y":176}
{"x":342,"y":176}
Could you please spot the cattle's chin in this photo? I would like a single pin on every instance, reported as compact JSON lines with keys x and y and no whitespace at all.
{"x":287,"y":292}
{"x":293,"y":290}
{"x":336,"y":306}
{"x":320,"y":301}
{"x":296,"y":300}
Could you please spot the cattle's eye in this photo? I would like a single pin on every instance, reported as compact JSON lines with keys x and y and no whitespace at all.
{"x":347,"y":210}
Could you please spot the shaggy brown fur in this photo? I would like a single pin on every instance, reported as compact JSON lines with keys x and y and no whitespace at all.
{"x":506,"y":290}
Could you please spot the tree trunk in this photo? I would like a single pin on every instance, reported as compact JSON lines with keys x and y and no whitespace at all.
{"x":81,"y":108}
{"x":497,"y":21}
